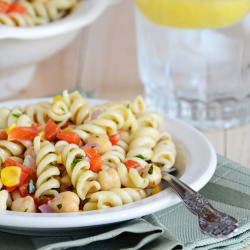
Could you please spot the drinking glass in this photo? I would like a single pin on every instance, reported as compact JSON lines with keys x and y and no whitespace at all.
{"x":194,"y":59}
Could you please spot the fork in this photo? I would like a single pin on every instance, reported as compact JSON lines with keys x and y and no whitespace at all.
{"x":211,"y":221}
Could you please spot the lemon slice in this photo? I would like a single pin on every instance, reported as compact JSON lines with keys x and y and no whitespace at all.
{"x":194,"y":14}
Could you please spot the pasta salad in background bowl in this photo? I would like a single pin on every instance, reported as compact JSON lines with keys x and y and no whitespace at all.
{"x":33,"y":30}
{"x":71,"y":162}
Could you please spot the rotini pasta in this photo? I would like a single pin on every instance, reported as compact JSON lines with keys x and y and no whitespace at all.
{"x":46,"y":169}
{"x":113,"y":198}
{"x":9,"y":148}
{"x":14,"y":116}
{"x":77,"y":168}
{"x":35,"y":12}
{"x":66,"y":156}
{"x":164,"y":152}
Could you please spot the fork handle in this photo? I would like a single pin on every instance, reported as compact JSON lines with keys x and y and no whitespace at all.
{"x":192,"y":199}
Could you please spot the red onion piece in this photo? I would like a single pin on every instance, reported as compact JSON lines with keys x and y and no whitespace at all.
{"x":95,"y":114}
{"x":30,"y":158}
{"x":91,"y":145}
{"x":45,"y":208}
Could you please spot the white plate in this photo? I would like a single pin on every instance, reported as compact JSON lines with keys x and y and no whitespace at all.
{"x":196,"y":160}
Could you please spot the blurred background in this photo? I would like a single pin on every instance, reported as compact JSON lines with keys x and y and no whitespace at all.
{"x":101,"y":58}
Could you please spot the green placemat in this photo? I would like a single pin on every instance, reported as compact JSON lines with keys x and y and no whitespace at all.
{"x":174,"y":227}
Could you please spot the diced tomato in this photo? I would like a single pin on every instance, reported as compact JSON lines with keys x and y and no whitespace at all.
{"x":4,"y":6}
{"x":51,"y":130}
{"x":95,"y":159}
{"x":96,"y":164}
{"x":3,"y":134}
{"x":23,"y":189}
{"x":43,"y":201}
{"x":23,"y":133}
{"x":69,"y":136}
{"x":18,"y":8}
{"x":114,"y":139}
{"x":9,"y":162}
{"x":65,"y":125}
{"x":91,"y":153}
{"x":131,"y":164}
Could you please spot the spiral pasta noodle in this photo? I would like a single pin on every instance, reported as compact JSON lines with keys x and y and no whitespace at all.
{"x":38,"y":12}
{"x":142,"y":143}
{"x":9,"y":148}
{"x":113,"y":198}
{"x":59,"y":113}
{"x":118,"y":152}
{"x":108,"y":122}
{"x":14,"y":116}
{"x":77,"y":168}
{"x":46,"y":169}
{"x":131,"y":177}
{"x":38,"y":112}
{"x":164,"y":152}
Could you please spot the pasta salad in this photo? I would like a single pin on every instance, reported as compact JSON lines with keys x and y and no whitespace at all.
{"x":34,"y":12}
{"x":67,"y":156}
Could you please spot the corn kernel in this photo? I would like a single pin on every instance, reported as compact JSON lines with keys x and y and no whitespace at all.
{"x":59,"y":159}
{"x":8,"y":130}
{"x":57,"y":99}
{"x":156,"y":190}
{"x":10,"y":176}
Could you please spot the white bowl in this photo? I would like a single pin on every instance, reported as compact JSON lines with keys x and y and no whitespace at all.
{"x":196,"y":160}
{"x":22,"y":48}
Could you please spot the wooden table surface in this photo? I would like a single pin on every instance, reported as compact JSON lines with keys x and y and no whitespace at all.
{"x":109,"y":66}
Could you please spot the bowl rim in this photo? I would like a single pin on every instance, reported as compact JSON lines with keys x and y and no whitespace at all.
{"x":85,"y":13}
{"x":205,"y":162}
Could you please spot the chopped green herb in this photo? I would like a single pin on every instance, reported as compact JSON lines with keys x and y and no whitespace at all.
{"x":56,"y":122}
{"x":49,"y":178}
{"x":54,"y":139}
{"x":141,"y":174}
{"x":52,"y":163}
{"x":59,"y":206}
{"x":85,"y":201}
{"x":26,"y":210}
{"x":17,"y":115}
{"x":62,"y":109}
{"x":42,"y":197}
{"x":151,"y":169}
{"x":97,"y":136}
{"x":1,"y":162}
{"x":76,"y":160}
{"x":31,"y":187}
{"x":127,"y":106}
{"x":140,"y":156}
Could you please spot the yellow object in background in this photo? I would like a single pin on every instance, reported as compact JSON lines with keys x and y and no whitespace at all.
{"x":10,"y":176}
{"x":194,"y":14}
